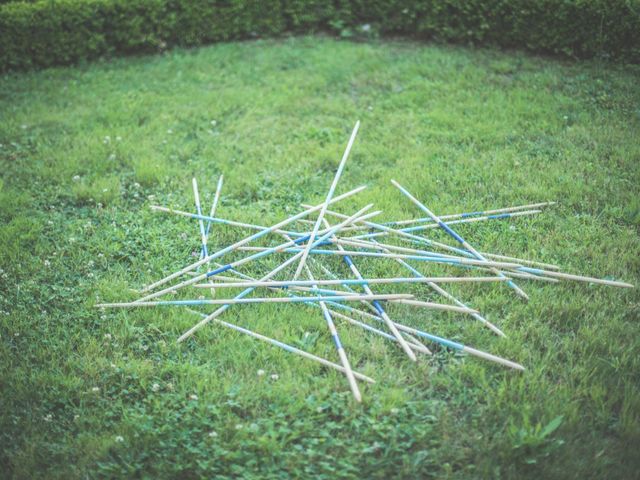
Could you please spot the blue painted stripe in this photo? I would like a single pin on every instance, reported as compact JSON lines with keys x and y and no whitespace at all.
{"x":348,"y":261}
{"x":336,"y":340}
{"x":471,"y":214}
{"x":378,"y":307}
{"x":451,"y":232}
{"x":501,"y":215}
{"x":218,"y":270}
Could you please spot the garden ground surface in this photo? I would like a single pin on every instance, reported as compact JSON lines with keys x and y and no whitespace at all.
{"x":86,"y":150}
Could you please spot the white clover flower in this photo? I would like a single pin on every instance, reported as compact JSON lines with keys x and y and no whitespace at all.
{"x":395,"y":411}
{"x":107,"y":139}
{"x":48,"y":417}
{"x":239,"y":426}
{"x":112,"y":157}
{"x":214,"y":123}
{"x":261,"y":373}
{"x":136,"y":185}
{"x":76,"y":178}
{"x":107,"y":336}
{"x":155,"y":387}
{"x":319,"y":409}
{"x":118,"y":138}
{"x":170,"y":386}
{"x":119,"y":439}
{"x":24,"y":127}
{"x":113,"y":365}
{"x":213,"y":434}
{"x":47,"y":263}
{"x":193,"y":396}
{"x":274,"y":376}
{"x":95,"y":389}
{"x":76,"y":417}
{"x":169,"y":131}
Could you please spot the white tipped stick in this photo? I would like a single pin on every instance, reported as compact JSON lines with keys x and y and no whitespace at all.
{"x":203,"y":234}
{"x":212,"y":212}
{"x":473,"y":214}
{"x":338,"y":344}
{"x":577,"y":278}
{"x":348,"y":281}
{"x":332,"y":188}
{"x":286,"y":347}
{"x":248,"y":239}
{"x":235,"y":301}
{"x":453,"y":234}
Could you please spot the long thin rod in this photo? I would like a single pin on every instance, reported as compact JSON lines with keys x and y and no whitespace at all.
{"x":338,"y":344}
{"x":212,"y":212}
{"x":332,"y":189}
{"x":203,"y":233}
{"x":348,"y":281}
{"x":454,"y":235}
{"x":429,"y":226}
{"x":286,"y":347}
{"x":423,"y":258}
{"x":531,"y":206}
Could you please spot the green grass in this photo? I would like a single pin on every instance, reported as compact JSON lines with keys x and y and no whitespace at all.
{"x":86,"y":150}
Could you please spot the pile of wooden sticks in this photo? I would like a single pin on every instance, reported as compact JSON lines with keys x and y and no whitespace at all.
{"x":350,"y":237}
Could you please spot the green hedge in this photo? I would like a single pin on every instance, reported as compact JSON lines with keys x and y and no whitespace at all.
{"x":53,"y":32}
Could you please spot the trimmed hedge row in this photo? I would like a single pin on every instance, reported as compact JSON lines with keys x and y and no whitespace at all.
{"x":53,"y":32}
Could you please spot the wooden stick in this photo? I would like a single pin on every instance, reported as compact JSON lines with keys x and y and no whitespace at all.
{"x":338,"y":344}
{"x":454,"y":235}
{"x":332,"y":189}
{"x":578,"y":278}
{"x":349,"y":281}
{"x":248,"y":239}
{"x":425,"y":241}
{"x":423,"y":258}
{"x":419,"y":228}
{"x":286,"y":347}
{"x":196,"y":197}
{"x":531,"y":206}
{"x":212,"y":213}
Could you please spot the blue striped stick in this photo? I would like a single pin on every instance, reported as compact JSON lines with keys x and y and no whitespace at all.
{"x":212,"y":213}
{"x":332,"y":189}
{"x":222,"y":221}
{"x":457,"y":237}
{"x":436,"y":258}
{"x":339,"y":348}
{"x":365,"y":286}
{"x":453,"y":222}
{"x":365,"y":244}
{"x":235,"y":301}
{"x":440,"y":340}
{"x":196,"y":197}
{"x":446,"y":294}
{"x":473,"y":214}
{"x":250,"y":258}
{"x":269,"y":275}
{"x":285,"y":347}
{"x":248,"y":239}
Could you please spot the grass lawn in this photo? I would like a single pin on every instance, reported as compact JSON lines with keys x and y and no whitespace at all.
{"x":86,"y":150}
